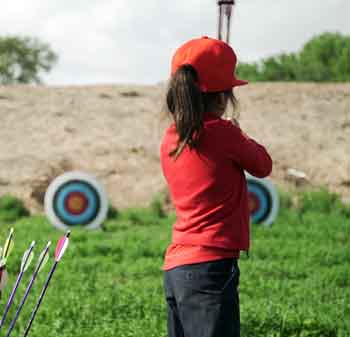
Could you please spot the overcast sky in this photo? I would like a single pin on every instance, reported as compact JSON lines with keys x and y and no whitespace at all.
{"x":120,"y":41}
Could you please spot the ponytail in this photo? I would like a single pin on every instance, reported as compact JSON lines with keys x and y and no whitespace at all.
{"x":184,"y":100}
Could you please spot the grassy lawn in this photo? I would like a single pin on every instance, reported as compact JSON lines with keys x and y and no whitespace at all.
{"x":295,"y":283}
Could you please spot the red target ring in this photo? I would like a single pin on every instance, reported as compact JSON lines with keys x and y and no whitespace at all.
{"x":263,"y":200}
{"x":76,"y":203}
{"x":254,"y":203}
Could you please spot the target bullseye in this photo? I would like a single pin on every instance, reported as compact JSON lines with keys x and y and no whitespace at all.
{"x":263,"y":200}
{"x":76,"y":199}
{"x":76,"y":203}
{"x":254,"y":203}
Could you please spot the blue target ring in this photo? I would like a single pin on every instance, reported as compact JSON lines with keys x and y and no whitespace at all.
{"x":264,"y":202}
{"x":93,"y":203}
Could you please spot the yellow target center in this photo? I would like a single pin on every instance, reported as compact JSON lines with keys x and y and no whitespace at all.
{"x":76,"y":203}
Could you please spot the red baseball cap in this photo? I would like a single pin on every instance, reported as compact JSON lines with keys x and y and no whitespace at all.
{"x":214,"y":60}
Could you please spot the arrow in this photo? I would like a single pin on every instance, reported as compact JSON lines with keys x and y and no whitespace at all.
{"x":3,"y":279}
{"x":8,"y":245}
{"x":6,"y":251}
{"x":42,"y":260}
{"x":26,"y":260}
{"x":4,"y":254}
{"x":61,"y":248}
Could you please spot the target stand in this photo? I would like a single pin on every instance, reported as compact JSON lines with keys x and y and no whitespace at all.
{"x":263,"y":200}
{"x":76,"y":199}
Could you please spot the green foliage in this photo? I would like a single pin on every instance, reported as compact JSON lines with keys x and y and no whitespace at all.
{"x":296,"y":282}
{"x":113,"y":212}
{"x":157,"y":206}
{"x":249,"y":71}
{"x":22,"y":59}
{"x":321,"y":201}
{"x":11,"y":209}
{"x":286,"y":200}
{"x":324,"y":58}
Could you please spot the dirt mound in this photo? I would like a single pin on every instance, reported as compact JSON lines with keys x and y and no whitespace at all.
{"x":114,"y":132}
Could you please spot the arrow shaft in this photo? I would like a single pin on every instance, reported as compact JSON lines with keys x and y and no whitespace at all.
{"x":26,"y":294}
{"x":10,"y":300}
{"x":41,"y":297}
{"x":19,"y":278}
{"x":59,"y":252}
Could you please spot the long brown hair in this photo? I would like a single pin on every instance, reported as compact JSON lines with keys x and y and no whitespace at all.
{"x":187,"y":104}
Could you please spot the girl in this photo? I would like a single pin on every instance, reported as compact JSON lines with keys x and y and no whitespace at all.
{"x":203,"y":158}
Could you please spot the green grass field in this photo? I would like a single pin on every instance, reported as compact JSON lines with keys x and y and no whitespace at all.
{"x":296,"y":282}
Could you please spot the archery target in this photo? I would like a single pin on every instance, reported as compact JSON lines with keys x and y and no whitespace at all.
{"x":263,"y":200}
{"x":76,"y":199}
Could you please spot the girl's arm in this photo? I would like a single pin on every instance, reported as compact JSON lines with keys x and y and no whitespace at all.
{"x":247,"y":153}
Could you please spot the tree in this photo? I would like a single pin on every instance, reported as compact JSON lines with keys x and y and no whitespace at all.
{"x":22,"y":59}
{"x":249,"y":71}
{"x":324,"y":58}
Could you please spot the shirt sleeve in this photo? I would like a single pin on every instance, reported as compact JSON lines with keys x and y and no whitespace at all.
{"x":246,"y":152}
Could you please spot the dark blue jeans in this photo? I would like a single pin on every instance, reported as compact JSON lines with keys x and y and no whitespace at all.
{"x":202,"y":299}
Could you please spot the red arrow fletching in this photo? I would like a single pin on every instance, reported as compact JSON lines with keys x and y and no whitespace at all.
{"x":61,"y":247}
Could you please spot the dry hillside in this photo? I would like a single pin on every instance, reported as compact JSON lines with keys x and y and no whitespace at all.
{"x":114,"y":133}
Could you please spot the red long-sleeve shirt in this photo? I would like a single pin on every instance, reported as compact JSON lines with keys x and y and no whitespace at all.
{"x":209,"y":191}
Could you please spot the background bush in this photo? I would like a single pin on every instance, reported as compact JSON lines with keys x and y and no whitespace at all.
{"x":11,"y":209}
{"x":324,"y":58}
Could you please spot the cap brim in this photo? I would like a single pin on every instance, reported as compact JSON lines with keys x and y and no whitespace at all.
{"x":237,"y":82}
